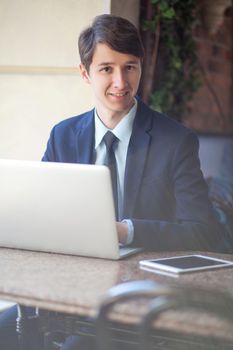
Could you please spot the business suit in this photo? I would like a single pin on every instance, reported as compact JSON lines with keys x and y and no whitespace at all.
{"x":165,"y":195}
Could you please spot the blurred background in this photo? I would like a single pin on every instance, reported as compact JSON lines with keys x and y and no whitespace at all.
{"x":188,"y":69}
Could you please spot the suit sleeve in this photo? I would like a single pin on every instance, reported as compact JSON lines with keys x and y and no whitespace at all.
{"x":193,"y":226}
{"x":49,"y":155}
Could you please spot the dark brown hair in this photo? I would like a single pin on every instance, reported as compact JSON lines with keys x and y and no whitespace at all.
{"x":116,"y":32}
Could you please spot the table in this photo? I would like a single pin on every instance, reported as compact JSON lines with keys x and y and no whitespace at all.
{"x":76,"y":285}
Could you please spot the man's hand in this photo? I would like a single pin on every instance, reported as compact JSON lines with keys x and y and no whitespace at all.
{"x":122,"y":230}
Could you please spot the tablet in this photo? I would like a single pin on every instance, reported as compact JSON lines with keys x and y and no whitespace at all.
{"x":183,"y":264}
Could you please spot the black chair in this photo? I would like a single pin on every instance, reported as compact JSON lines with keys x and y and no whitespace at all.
{"x":161,"y":299}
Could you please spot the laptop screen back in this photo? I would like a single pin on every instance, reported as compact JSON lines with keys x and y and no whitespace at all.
{"x":57,"y":207}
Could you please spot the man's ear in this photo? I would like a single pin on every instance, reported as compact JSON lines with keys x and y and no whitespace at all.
{"x":84,"y":73}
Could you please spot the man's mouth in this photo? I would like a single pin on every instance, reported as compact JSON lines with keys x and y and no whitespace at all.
{"x":119,"y":94}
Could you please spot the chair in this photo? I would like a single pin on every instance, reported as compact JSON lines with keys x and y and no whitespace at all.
{"x":161,"y":298}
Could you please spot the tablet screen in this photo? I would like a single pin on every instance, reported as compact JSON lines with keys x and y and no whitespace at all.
{"x":186,"y":263}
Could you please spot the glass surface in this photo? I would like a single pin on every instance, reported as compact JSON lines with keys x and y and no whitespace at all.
{"x":188,"y":262}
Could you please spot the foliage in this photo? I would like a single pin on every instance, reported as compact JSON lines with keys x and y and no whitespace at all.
{"x":176,"y":74}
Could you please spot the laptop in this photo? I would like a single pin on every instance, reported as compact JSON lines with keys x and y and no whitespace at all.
{"x":60,"y":208}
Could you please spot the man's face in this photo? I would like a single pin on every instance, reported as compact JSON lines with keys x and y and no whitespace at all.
{"x":114,"y":78}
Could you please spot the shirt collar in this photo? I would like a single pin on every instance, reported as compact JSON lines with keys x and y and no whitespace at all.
{"x":122,"y":130}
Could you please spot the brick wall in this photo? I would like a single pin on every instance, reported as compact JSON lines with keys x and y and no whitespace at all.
{"x":211,"y":109}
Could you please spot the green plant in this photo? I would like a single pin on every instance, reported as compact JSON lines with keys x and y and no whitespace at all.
{"x":171,"y":67}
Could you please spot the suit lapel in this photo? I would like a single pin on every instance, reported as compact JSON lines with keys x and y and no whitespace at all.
{"x":86,"y":139}
{"x":136,"y":158}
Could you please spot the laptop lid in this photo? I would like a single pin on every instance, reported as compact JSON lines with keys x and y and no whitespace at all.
{"x":57,"y":207}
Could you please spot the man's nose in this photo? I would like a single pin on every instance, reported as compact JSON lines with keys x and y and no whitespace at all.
{"x":119,"y":80}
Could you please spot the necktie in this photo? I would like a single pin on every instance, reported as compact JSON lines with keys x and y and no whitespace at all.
{"x":110,"y":140}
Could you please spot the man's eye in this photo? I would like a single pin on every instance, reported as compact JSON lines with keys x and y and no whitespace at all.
{"x":129,"y":68}
{"x":106,"y":69}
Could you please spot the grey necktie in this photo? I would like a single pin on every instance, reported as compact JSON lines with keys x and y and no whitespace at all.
{"x":110,"y":141}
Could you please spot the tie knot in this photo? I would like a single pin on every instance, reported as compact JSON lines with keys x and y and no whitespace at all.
{"x":109,"y":140}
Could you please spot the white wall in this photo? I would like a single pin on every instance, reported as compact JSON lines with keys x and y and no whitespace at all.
{"x":126,"y":8}
{"x":39,"y":80}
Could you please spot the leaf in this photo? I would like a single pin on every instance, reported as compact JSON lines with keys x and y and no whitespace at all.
{"x":163,"y":5}
{"x":169,"y":13}
{"x":150,"y":25}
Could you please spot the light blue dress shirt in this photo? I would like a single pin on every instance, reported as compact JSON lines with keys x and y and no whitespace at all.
{"x":122,"y":131}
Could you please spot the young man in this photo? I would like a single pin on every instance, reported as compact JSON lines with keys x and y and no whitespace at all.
{"x":161,"y":197}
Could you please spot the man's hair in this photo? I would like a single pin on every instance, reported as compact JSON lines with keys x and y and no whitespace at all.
{"x":116,"y":32}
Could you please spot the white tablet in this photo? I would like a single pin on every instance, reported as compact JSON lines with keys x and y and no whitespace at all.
{"x":184,"y":264}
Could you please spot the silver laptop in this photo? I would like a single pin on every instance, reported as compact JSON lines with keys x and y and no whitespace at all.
{"x":58,"y":207}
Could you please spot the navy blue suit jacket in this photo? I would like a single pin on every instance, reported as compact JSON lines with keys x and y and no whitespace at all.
{"x":165,"y":194}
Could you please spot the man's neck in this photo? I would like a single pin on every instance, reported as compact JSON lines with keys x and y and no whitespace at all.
{"x":111,"y":119}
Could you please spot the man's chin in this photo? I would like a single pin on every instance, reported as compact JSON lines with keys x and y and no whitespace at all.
{"x":123,"y":107}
